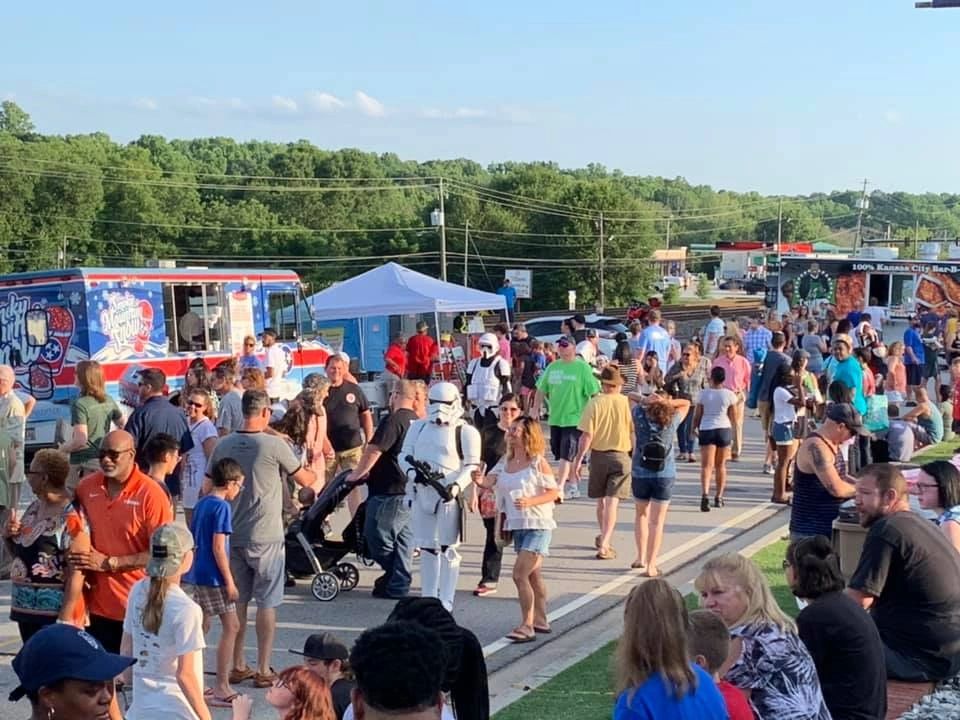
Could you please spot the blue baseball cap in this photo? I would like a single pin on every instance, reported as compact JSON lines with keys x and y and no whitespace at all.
{"x":64,"y":652}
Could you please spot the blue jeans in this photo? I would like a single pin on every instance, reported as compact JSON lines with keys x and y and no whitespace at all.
{"x":684,"y":436}
{"x":390,"y":540}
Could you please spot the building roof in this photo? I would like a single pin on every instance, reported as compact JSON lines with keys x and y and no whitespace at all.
{"x":679,"y":253}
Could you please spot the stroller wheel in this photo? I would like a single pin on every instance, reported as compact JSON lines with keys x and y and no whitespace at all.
{"x":325,"y":586}
{"x":349,"y":575}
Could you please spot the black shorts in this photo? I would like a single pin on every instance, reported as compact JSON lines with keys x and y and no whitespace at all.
{"x":914,"y":375}
{"x":107,"y":631}
{"x":721,"y":437}
{"x":564,"y":442}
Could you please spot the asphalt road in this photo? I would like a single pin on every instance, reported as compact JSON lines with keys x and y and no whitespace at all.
{"x":580,"y":587}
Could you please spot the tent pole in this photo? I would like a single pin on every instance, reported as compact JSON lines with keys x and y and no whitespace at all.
{"x":361,"y":364}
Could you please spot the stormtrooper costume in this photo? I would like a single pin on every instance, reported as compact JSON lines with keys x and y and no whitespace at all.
{"x":436,"y":524}
{"x":488,"y":380}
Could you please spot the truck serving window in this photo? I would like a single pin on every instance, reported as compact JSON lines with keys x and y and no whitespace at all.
{"x":282,"y":314}
{"x":194,"y":317}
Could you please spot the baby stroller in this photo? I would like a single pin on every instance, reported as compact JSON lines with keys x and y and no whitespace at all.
{"x":308,"y":552}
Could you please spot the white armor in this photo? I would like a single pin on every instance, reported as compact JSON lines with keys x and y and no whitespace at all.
{"x":487,"y":381}
{"x":436,"y":524}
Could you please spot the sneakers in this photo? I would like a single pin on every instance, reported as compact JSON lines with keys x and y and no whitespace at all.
{"x":571,"y":491}
{"x":767,"y":469}
{"x":704,"y":504}
{"x":484,"y":590}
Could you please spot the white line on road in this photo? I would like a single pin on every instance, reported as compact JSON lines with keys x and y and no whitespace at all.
{"x":632,"y":575}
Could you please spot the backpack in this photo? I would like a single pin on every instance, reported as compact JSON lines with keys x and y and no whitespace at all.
{"x":653,"y":456}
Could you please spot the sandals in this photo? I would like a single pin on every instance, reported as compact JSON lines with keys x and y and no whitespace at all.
{"x":518,"y":637}
{"x":542,"y":629}
{"x":219,"y":702}
{"x":606,"y":554}
{"x":238,"y":676}
{"x":648,"y":574}
{"x":264,"y":680}
{"x":638,"y":565}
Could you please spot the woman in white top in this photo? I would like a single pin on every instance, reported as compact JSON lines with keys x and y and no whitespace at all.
{"x":714,"y":419}
{"x":526,"y":491}
{"x":788,"y":395}
{"x":204,"y":433}
{"x":163,"y":629}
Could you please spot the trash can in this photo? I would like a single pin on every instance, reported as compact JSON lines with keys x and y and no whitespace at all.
{"x":848,"y":537}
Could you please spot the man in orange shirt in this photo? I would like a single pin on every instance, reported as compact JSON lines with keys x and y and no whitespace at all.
{"x":123,"y":507}
{"x":421,"y":352}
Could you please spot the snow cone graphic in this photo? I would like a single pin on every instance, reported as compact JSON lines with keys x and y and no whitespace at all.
{"x":60,"y":327}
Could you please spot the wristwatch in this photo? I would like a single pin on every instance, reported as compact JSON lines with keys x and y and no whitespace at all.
{"x":113,"y":564}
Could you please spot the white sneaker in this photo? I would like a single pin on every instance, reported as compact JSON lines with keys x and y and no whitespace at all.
{"x":571,"y":491}
{"x":767,"y":469}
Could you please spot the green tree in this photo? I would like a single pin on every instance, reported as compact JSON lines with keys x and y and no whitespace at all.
{"x":14,"y":119}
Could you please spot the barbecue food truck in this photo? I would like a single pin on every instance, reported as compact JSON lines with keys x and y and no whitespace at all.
{"x":904,"y":287}
{"x":131,"y":318}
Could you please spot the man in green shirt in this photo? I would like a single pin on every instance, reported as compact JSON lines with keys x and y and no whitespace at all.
{"x":567,"y":385}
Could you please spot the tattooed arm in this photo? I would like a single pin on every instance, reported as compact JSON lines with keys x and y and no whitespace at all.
{"x":826,"y":470}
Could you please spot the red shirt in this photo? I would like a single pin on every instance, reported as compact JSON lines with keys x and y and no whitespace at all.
{"x":120,"y":526}
{"x":737,"y":372}
{"x":396,"y":360}
{"x":737,"y":706}
{"x":421,"y":350}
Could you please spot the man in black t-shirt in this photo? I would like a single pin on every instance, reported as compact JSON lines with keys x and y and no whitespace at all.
{"x":387,"y":526}
{"x":349,"y":423}
{"x":909,"y":578}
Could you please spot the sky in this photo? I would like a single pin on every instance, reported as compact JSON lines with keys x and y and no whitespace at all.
{"x":765,"y":95}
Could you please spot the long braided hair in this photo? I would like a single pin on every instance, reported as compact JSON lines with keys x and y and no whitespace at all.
{"x":466,"y":671}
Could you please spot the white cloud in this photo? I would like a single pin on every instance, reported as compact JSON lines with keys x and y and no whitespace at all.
{"x":278,"y":102}
{"x":502,"y":114}
{"x":369,"y":106}
{"x":324,"y":102}
{"x":893,"y":117}
{"x":145,"y":103}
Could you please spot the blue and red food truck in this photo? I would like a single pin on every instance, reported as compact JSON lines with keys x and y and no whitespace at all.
{"x":131,"y":318}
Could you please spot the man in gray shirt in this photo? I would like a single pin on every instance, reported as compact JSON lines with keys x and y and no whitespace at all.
{"x":256,"y":543}
{"x":230,"y":412}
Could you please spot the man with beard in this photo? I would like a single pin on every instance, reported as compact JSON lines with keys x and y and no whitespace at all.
{"x":908,"y":578}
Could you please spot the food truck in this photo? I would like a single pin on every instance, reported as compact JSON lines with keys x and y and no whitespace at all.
{"x":131,"y":318}
{"x":903,"y":287}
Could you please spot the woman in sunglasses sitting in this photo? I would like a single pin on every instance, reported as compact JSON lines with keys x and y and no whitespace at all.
{"x":45,"y":588}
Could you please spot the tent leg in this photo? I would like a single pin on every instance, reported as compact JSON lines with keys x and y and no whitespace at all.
{"x":361,"y":364}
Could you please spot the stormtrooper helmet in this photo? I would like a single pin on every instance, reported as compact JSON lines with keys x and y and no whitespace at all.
{"x":443,"y":403}
{"x":489,"y":345}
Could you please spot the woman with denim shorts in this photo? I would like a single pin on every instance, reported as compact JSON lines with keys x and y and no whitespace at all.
{"x":714,"y":418}
{"x":655,"y":422}
{"x":526,"y":491}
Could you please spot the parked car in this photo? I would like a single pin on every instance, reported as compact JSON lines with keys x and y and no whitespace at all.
{"x":751,"y":286}
{"x":548,"y":329}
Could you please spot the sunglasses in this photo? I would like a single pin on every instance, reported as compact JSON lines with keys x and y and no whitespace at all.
{"x":196,"y":405}
{"x":249,"y":344}
{"x":114,"y":455}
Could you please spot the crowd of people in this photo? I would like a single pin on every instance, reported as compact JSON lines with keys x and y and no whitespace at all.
{"x":98,"y":549}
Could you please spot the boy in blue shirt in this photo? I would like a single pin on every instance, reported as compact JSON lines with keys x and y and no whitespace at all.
{"x":210,"y":576}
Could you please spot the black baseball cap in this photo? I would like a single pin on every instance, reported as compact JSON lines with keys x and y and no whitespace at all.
{"x":564,"y":341}
{"x":847,"y":414}
{"x":323,"y":646}
{"x":64,"y":652}
{"x":580,"y":319}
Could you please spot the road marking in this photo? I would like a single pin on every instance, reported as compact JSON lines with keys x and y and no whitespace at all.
{"x":632,"y":575}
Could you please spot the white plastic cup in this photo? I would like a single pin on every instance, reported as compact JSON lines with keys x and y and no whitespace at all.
{"x":516,"y":495}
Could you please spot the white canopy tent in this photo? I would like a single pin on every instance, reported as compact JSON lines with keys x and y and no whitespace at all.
{"x":392,"y":289}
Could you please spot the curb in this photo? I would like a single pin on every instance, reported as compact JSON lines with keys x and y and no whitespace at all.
{"x":593,"y":635}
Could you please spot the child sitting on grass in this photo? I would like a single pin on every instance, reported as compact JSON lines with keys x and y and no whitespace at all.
{"x":708,"y":644}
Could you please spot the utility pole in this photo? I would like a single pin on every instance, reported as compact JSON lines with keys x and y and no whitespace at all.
{"x":466,"y":250}
{"x":443,"y":237}
{"x":779,"y":224}
{"x":916,"y":240}
{"x":669,"y":218}
{"x":863,"y":206}
{"x":603,"y":287}
{"x":63,"y":254}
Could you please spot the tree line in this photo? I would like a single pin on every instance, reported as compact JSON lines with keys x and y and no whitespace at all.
{"x":87,"y":200}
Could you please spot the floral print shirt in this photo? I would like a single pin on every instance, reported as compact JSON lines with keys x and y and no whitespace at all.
{"x":38,"y":571}
{"x":778,"y":670}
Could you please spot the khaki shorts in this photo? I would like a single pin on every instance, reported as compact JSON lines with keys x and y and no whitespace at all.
{"x":258,"y":571}
{"x":766,"y":416}
{"x":344,"y":460}
{"x":609,"y":474}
